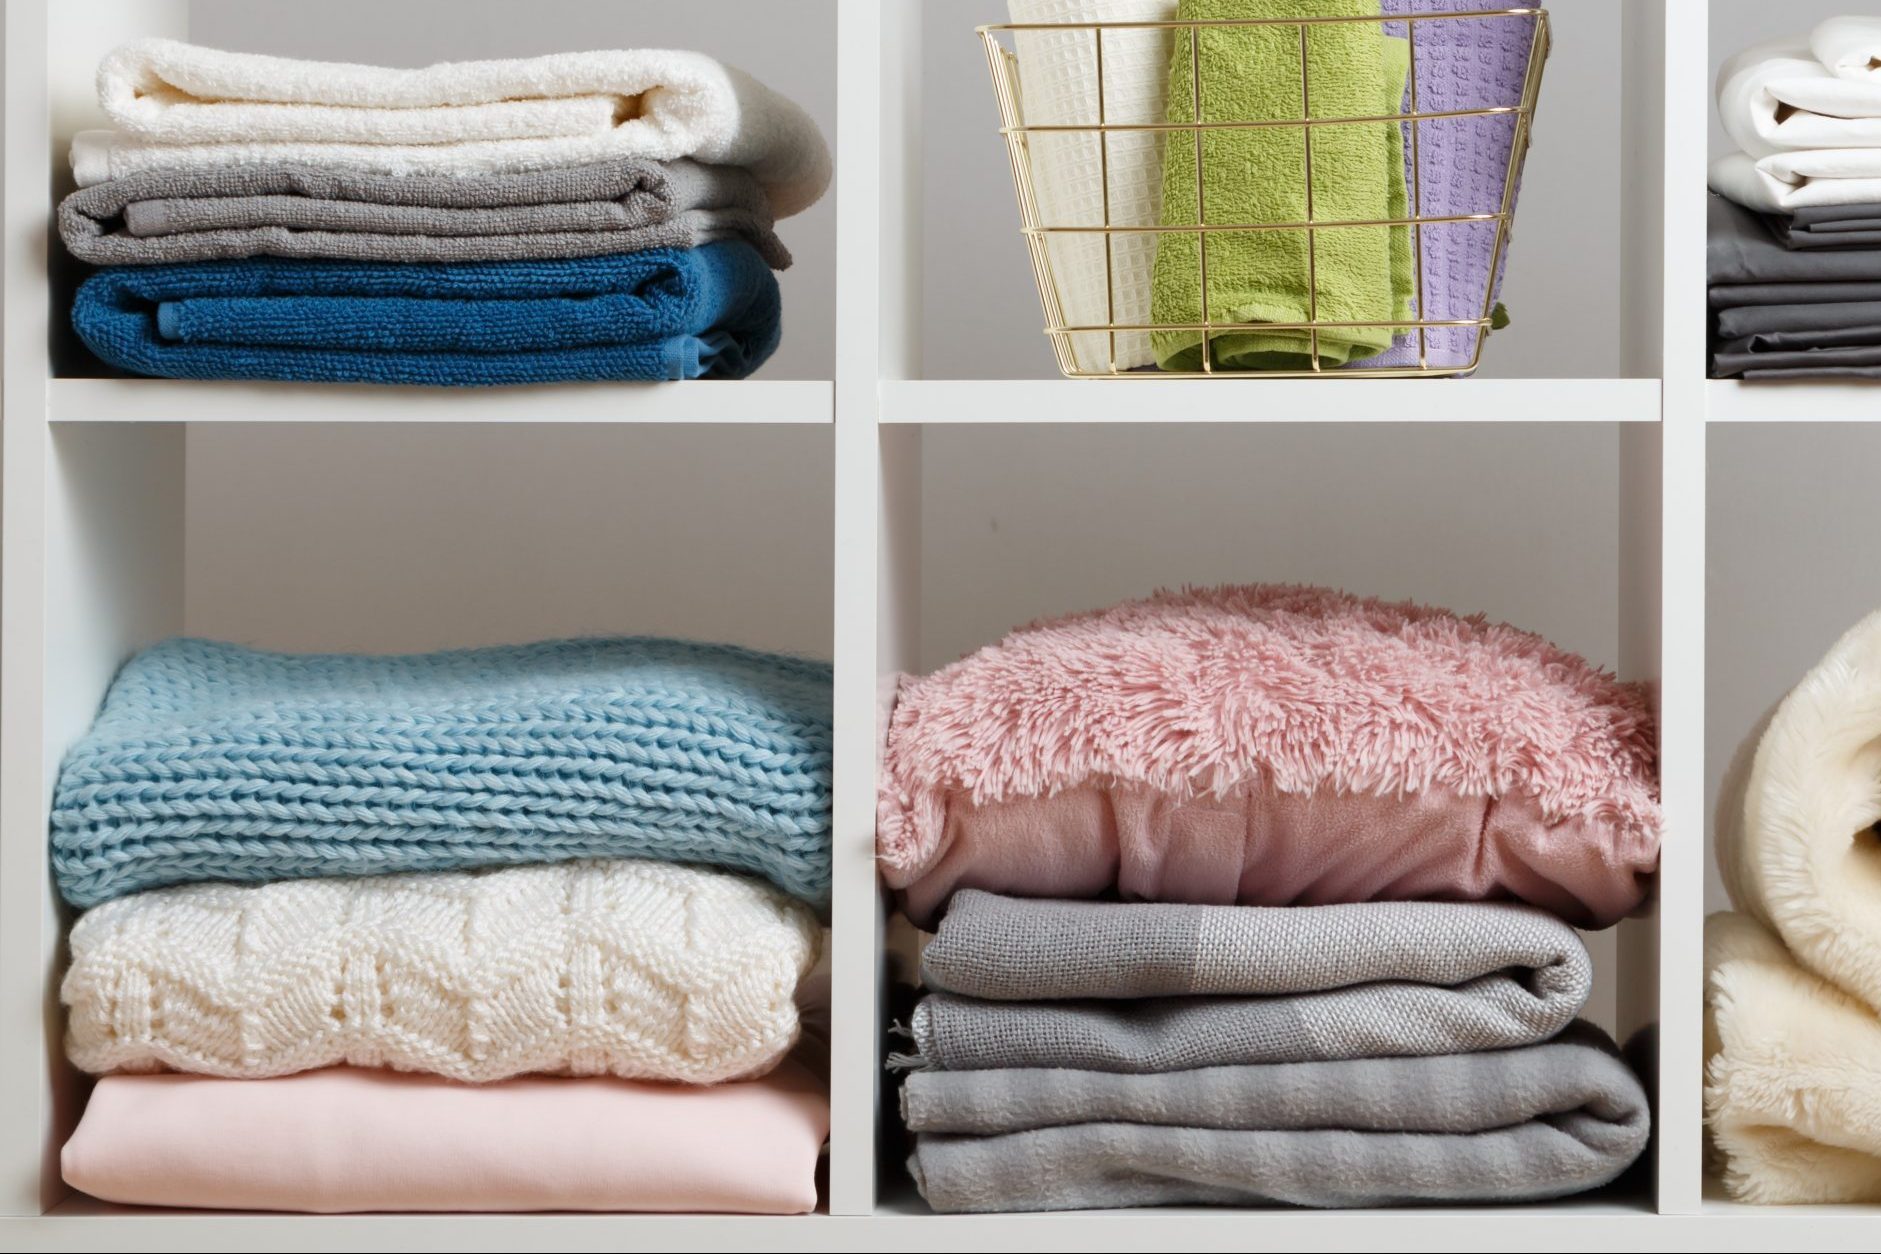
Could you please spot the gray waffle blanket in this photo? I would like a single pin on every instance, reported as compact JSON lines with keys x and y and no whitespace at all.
{"x":1522,"y":1124}
{"x":1103,"y":986}
{"x":163,"y":216}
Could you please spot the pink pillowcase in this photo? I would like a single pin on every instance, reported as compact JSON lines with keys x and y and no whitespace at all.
{"x":346,"y":1139}
{"x":1272,"y":745}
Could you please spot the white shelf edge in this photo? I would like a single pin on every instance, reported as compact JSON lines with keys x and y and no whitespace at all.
{"x":694,"y":401}
{"x":1731,"y":400}
{"x":1269,"y":400}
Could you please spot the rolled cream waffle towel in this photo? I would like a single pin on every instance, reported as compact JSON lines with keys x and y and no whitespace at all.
{"x":181,"y":106}
{"x":1058,"y":86}
{"x":641,"y":970}
{"x":1793,"y":983}
{"x":1271,"y":745}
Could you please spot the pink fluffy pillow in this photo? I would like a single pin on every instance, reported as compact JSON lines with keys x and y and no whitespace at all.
{"x":1272,"y":745}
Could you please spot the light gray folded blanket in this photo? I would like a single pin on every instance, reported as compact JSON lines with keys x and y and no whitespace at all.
{"x":1523,"y":1124}
{"x":1129,"y":987}
{"x":205,"y":214}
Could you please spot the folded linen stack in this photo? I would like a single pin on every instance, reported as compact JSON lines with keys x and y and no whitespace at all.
{"x":1456,"y":168}
{"x":1793,"y":975}
{"x":1794,"y":265}
{"x":591,"y":215}
{"x":1212,"y":878}
{"x":460,"y":931}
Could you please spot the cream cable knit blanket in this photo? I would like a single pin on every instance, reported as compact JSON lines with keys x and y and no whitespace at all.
{"x":643,"y":970}
{"x":181,"y":106}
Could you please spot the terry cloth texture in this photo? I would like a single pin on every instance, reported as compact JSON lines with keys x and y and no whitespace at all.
{"x":1475,"y":63}
{"x":1259,"y":175}
{"x":181,"y":106}
{"x":1058,"y":83}
{"x":344,"y":1140}
{"x":1792,"y":1086}
{"x":215,"y":762}
{"x":1508,"y":976}
{"x":1507,"y":1125}
{"x":1004,"y":949}
{"x":643,"y":970}
{"x":167,"y":216}
{"x":711,"y":312}
{"x":1272,"y":745}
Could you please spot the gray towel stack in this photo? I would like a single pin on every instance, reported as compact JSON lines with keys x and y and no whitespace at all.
{"x":1076,"y":1055}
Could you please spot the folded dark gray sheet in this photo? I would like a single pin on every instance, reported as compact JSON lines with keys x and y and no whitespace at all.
{"x":1797,"y":232}
{"x":1735,"y":358}
{"x":1542,"y":1121}
{"x":1838,"y":217}
{"x":163,"y":216}
{"x":1740,"y":249}
{"x":1815,"y":324}
{"x":1801,"y":374}
{"x":1735,"y":295}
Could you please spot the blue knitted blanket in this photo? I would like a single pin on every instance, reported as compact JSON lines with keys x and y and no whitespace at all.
{"x":659,"y":314}
{"x":215,"y":762}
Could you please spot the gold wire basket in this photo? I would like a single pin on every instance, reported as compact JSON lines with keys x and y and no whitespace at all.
{"x":1076,"y":100}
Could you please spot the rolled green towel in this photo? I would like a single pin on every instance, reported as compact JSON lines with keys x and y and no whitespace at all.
{"x":1257,"y":174}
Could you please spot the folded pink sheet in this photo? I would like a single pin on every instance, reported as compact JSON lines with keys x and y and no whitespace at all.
{"x":346,"y":1139}
{"x":1272,"y":745}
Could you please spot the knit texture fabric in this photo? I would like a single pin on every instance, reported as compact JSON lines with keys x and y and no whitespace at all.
{"x":711,"y":312}
{"x":1389,"y":979}
{"x":214,"y":214}
{"x":642,"y":970}
{"x":183,"y":106}
{"x":1502,"y":1126}
{"x":215,"y":762}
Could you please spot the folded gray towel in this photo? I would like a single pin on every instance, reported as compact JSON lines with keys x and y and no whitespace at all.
{"x":1155,"y":987}
{"x":1522,"y":1124}
{"x":162,"y":216}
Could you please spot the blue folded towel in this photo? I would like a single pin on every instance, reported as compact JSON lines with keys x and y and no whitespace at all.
{"x":659,"y":314}
{"x":215,"y":762}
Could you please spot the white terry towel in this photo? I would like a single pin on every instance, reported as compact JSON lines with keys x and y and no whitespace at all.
{"x":1849,"y":46}
{"x":179,"y":105}
{"x":1793,"y":983}
{"x":1793,"y":180}
{"x":1058,"y":87}
{"x":1777,"y":97}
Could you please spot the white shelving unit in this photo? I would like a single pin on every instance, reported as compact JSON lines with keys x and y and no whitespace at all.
{"x":882,"y":517}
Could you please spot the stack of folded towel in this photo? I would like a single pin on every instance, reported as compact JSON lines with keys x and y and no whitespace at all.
{"x":524,"y":928}
{"x":1265,"y":894}
{"x":1794,"y":265}
{"x":1793,"y":975}
{"x":592,"y":215}
{"x":1455,"y":167}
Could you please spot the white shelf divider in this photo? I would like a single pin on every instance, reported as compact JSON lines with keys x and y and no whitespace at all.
{"x":695,"y":401}
{"x":1731,"y":400}
{"x":1151,"y":399}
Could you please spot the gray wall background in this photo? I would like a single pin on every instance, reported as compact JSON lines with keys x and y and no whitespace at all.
{"x":1562,"y":285}
{"x":788,"y":44}
{"x":1791,"y":565}
{"x":1737,"y":24}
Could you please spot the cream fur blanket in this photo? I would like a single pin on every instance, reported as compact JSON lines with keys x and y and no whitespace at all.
{"x":180,"y":106}
{"x":1793,"y":987}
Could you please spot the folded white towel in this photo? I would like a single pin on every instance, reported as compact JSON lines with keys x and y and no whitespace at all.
{"x":1787,"y":181}
{"x":1849,"y":46}
{"x":184,"y":106}
{"x":1058,"y":86}
{"x":1776,"y":97}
